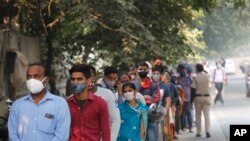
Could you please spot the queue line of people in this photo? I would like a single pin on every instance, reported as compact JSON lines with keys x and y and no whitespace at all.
{"x":142,"y":104}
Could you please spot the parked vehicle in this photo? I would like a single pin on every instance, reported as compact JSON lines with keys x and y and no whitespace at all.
{"x":244,"y":65}
{"x":230,"y":67}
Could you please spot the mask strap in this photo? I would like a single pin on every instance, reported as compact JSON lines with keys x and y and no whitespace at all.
{"x":43,"y":80}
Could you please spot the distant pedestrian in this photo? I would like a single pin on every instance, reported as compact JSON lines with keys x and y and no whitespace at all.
{"x":219,"y":78}
{"x":202,"y":100}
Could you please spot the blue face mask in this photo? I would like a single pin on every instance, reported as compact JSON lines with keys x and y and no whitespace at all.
{"x":78,"y":88}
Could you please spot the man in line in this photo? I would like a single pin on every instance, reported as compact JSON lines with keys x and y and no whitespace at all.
{"x":110,"y":99}
{"x":151,"y":94}
{"x":109,"y":79}
{"x":39,"y":116}
{"x":165,"y":99}
{"x":89,"y":113}
{"x":109,"y":82}
{"x":185,"y":82}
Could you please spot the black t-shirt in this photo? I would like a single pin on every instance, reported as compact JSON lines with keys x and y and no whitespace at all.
{"x":81,"y":103}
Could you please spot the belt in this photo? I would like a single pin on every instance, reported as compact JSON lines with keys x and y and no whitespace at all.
{"x":202,"y":95}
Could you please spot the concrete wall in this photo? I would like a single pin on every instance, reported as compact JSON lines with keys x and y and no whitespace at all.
{"x":29,"y":46}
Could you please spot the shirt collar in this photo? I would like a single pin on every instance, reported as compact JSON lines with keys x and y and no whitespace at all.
{"x":47,"y":96}
{"x":90,"y":97}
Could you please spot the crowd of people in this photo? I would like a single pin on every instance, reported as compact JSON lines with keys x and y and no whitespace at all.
{"x":145,"y":103}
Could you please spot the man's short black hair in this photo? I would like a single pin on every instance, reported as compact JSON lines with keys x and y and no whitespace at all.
{"x":199,"y":68}
{"x":157,"y":58}
{"x":46,"y":72}
{"x":143,"y":64}
{"x":181,"y":67}
{"x":132,"y":68}
{"x":84,"y":69}
{"x":158,"y":68}
{"x":110,"y":70}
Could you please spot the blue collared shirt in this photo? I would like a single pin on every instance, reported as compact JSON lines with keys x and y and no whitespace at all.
{"x":49,"y":120}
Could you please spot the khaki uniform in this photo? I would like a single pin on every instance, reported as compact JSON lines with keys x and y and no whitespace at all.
{"x":202,"y":100}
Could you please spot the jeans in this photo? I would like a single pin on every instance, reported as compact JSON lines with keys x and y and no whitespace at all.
{"x":186,"y":116}
{"x":219,"y":88}
{"x":152,"y":131}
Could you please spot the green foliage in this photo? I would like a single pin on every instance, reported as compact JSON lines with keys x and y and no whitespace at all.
{"x":126,"y":32}
{"x":227,"y":31}
{"x":117,"y":32}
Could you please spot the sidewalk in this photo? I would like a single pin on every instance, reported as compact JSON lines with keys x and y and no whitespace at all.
{"x":216,"y":131}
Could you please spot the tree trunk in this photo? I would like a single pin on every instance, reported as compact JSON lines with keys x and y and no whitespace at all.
{"x":49,"y":61}
{"x":4,"y":46}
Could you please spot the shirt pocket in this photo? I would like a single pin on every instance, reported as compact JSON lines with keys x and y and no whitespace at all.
{"x":46,"y":123}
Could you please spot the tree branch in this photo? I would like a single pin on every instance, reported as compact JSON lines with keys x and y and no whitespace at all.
{"x":41,"y":17}
{"x":51,"y":24}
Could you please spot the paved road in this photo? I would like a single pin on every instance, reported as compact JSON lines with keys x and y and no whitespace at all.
{"x":235,"y":111}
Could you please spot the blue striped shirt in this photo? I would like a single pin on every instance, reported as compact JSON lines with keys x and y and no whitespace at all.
{"x":49,"y":120}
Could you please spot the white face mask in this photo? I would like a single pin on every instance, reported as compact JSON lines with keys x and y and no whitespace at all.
{"x":129,"y":96}
{"x":132,"y":76}
{"x":109,"y":83}
{"x":156,"y":77}
{"x":35,"y":86}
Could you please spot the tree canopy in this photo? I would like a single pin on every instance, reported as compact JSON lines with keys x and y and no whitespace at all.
{"x":119,"y":32}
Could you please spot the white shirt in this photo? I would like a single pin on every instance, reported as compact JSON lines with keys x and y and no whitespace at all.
{"x":218,"y":75}
{"x":114,"y":113}
{"x":140,"y":97}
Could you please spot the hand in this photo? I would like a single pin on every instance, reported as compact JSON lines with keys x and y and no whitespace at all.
{"x":147,"y":97}
{"x":226,"y":82}
{"x":119,"y":87}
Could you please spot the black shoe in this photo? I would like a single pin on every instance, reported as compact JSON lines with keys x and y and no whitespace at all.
{"x":190,"y":130}
{"x":198,"y":135}
{"x":175,"y":137}
{"x":208,"y":135}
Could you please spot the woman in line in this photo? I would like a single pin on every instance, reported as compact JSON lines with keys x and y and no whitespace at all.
{"x":134,"y":116}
